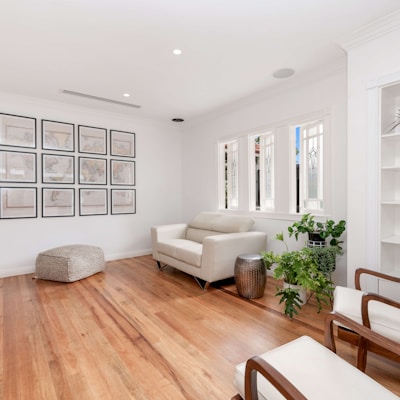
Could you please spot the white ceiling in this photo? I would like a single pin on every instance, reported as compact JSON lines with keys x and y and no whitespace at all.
{"x":109,"y":47}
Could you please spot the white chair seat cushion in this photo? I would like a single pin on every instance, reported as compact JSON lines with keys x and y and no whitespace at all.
{"x":317,"y":372}
{"x":384,"y":319}
{"x":183,"y":250}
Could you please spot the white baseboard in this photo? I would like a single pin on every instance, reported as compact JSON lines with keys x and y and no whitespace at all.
{"x":24,"y":270}
{"x":119,"y":256}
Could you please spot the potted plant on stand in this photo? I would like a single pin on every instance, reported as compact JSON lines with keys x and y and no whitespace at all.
{"x":300,"y":273}
{"x":323,"y":239}
{"x":319,"y":231}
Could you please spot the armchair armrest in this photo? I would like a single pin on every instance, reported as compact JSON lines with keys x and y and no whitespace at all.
{"x":220,"y":252}
{"x":173,"y":231}
{"x":362,"y":330}
{"x":380,"y":275}
{"x":165,"y":232}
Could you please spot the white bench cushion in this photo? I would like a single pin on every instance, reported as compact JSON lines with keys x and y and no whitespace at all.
{"x":317,"y":372}
{"x":384,"y":319}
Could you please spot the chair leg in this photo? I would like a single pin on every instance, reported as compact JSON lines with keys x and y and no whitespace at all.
{"x":362,"y":354}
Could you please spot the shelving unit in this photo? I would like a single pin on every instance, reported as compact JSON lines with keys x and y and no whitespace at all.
{"x":389,"y":114}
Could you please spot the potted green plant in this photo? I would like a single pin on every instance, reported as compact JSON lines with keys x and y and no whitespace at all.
{"x":298,"y":269}
{"x":326,"y":257}
{"x":319,"y":231}
{"x":318,"y":235}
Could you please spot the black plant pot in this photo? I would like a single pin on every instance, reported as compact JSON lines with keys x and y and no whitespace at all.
{"x":315,"y":237}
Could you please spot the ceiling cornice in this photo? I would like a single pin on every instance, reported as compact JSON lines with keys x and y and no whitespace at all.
{"x":371,"y":31}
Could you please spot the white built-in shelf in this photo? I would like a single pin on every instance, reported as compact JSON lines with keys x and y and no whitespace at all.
{"x":392,"y":135}
{"x":391,"y":168}
{"x":395,"y":239}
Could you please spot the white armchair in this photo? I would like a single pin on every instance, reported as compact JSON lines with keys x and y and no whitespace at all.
{"x":380,"y":314}
{"x":207,"y":246}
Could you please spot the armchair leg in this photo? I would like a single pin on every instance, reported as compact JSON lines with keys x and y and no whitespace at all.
{"x":161,"y":267}
{"x":203,"y":284}
{"x":362,"y":354}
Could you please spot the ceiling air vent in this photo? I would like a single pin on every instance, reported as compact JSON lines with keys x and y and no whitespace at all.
{"x":91,"y":97}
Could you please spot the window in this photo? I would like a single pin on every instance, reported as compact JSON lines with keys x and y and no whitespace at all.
{"x":262,"y":171}
{"x":309,"y":167}
{"x":229,"y":190}
{"x":277,"y":169}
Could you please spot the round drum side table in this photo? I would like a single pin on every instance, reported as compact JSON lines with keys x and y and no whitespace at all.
{"x":250,"y":276}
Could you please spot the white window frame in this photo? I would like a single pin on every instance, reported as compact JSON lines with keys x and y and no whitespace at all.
{"x":265,"y":146}
{"x":228,"y":172}
{"x":312,"y":133}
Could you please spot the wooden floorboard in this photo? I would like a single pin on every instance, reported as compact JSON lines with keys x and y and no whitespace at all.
{"x":134,"y":332}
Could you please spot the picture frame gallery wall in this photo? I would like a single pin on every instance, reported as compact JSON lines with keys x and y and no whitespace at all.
{"x":64,"y":169}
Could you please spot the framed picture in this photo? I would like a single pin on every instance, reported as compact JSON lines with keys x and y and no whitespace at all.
{"x":17,"y":167}
{"x":122,"y":172}
{"x":93,"y":171}
{"x":58,"y":136}
{"x":58,"y":169}
{"x":93,"y":202}
{"x":92,"y":140}
{"x":18,"y":202}
{"x":123,"y":201}
{"x":17,"y":131}
{"x":58,"y":202}
{"x":122,"y":144}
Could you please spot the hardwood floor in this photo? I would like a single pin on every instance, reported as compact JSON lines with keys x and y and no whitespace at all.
{"x":134,"y":332}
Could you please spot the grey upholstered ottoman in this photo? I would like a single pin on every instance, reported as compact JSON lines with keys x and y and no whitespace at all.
{"x":69,"y":263}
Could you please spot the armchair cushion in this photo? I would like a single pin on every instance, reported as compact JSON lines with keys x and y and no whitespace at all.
{"x":183,"y":250}
{"x":217,"y":222}
{"x":212,"y":223}
{"x":347,"y":301}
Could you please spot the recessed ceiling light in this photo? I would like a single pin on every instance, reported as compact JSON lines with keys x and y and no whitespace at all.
{"x":177,"y":120}
{"x":283,"y":73}
{"x":177,"y":52}
{"x":126,"y":94}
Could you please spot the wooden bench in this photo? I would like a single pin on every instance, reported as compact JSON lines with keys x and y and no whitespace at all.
{"x":305,"y":369}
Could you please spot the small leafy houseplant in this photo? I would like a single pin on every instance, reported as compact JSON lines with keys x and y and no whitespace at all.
{"x":324,"y":239}
{"x":328,"y":230}
{"x":298,"y":267}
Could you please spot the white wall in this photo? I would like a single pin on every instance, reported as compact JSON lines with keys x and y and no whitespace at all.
{"x":296,"y":98}
{"x":165,"y":194}
{"x":371,"y":56}
{"x":158,"y":190}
